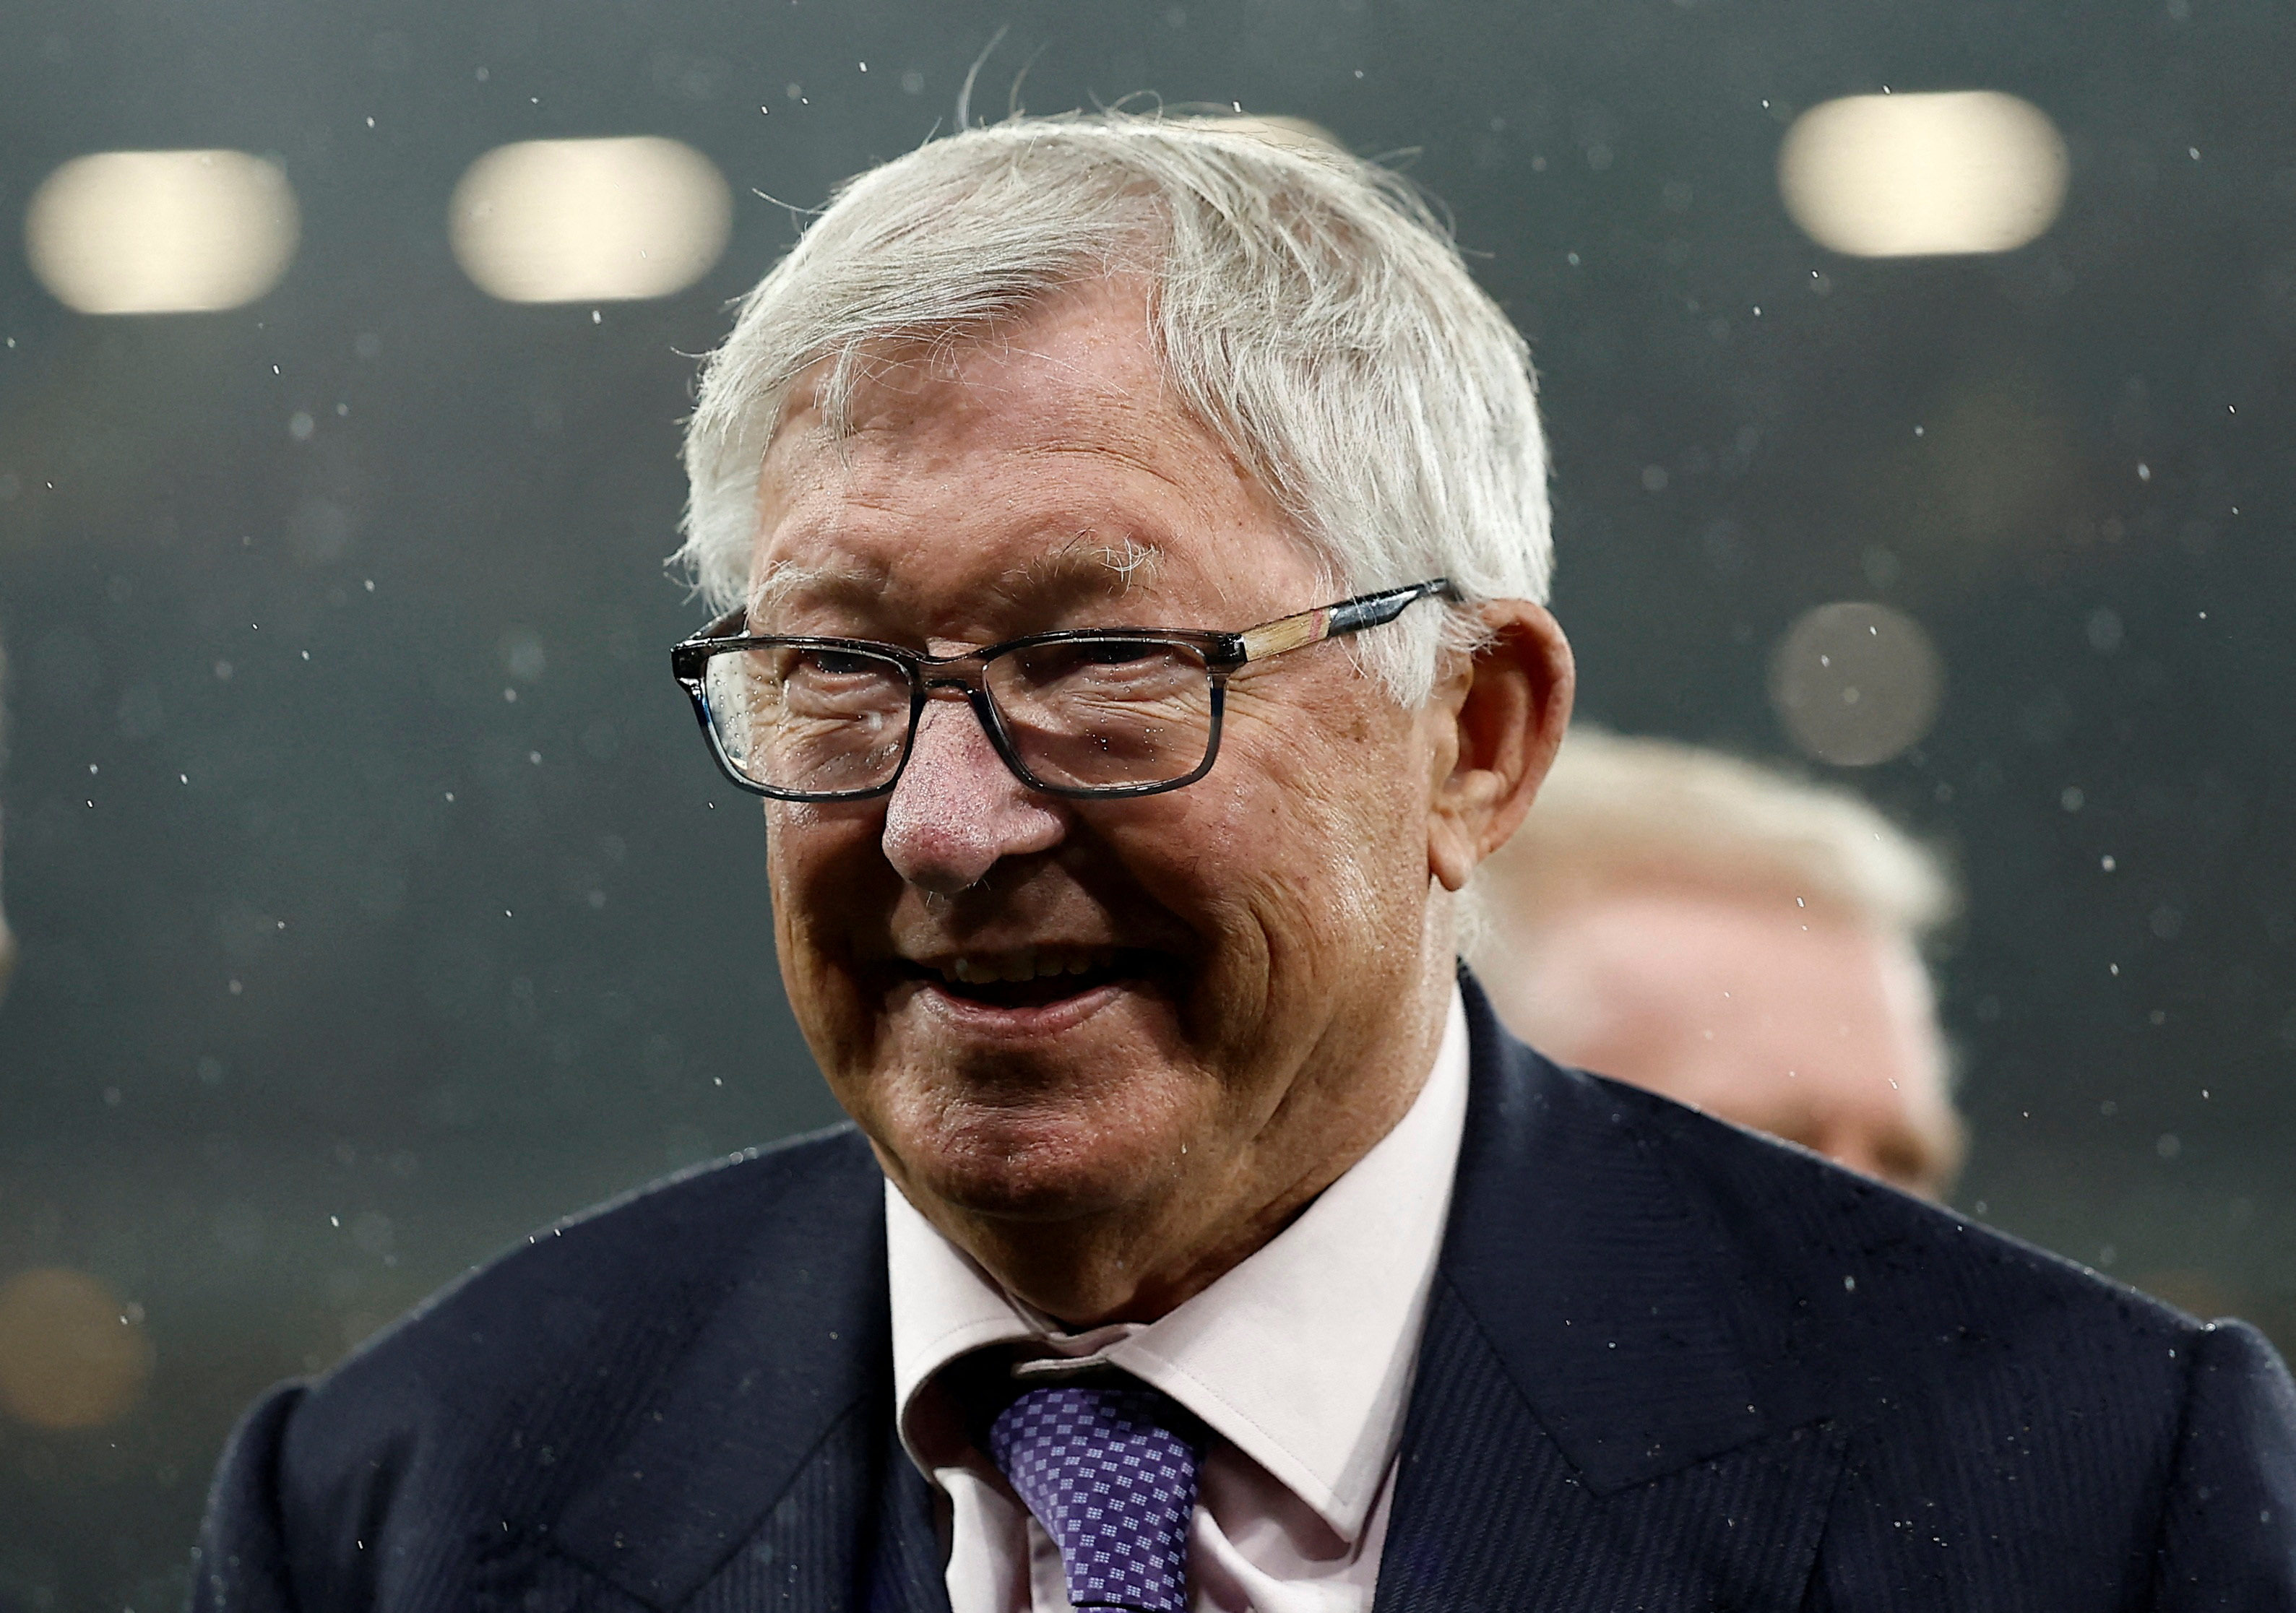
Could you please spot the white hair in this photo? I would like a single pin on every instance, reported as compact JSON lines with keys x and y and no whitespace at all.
{"x":1622,"y":812}
{"x":1306,"y":308}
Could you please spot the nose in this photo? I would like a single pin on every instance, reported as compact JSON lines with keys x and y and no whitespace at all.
{"x":958,"y":810}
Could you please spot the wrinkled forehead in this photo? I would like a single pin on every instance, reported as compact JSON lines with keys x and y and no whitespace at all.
{"x":1080,"y":569}
{"x":1040,"y":466}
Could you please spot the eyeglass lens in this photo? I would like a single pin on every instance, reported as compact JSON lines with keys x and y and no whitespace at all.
{"x":1081,"y":714}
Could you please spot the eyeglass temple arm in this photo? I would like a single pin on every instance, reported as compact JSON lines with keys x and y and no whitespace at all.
{"x":1333,"y":621}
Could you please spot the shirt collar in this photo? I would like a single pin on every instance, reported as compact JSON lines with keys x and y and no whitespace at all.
{"x":1300,"y":1357}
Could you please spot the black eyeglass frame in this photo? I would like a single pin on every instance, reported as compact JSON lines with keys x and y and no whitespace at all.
{"x":1224,"y":653}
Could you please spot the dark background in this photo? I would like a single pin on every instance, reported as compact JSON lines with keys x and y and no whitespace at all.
{"x":297,"y":1037}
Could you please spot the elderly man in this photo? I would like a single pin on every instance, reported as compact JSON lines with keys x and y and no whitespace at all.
{"x":1736,"y":939}
{"x":1129,"y":535}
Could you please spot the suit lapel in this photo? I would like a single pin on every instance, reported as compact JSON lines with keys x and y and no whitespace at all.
{"x":828,"y":1543}
{"x":757,"y":1469}
{"x":905,"y":1573}
{"x":1584,"y":1428}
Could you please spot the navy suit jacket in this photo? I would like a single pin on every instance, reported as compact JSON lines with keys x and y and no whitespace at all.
{"x":1667,"y":1365}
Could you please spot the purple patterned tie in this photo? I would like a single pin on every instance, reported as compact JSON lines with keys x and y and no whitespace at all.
{"x":1113,"y":1485}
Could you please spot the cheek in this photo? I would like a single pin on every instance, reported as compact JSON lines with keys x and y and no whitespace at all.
{"x":823,"y":865}
{"x":1300,"y":850}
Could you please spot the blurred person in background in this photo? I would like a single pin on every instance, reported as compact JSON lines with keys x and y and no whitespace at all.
{"x":1201,"y":1240}
{"x":1738,"y":939}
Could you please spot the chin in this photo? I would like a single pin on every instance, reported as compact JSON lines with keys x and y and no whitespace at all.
{"x":1052,"y":1158}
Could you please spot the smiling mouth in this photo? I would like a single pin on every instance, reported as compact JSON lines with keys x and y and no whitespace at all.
{"x":1035,"y":977}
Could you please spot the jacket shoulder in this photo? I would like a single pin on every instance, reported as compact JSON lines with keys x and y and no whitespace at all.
{"x":1866,"y":1289}
{"x":465,"y":1430}
{"x":562,"y":1341}
{"x":657,"y":1258}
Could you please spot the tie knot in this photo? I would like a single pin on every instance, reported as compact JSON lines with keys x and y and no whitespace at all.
{"x":1112,"y":1477}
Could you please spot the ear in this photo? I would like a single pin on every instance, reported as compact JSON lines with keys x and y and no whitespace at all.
{"x":1505,"y":713}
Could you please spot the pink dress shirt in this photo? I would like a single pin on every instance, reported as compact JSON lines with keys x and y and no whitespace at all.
{"x":1299,"y":1360}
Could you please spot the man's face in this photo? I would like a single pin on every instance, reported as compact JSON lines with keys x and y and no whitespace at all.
{"x":1806,"y":1027}
{"x":1168,"y":1009}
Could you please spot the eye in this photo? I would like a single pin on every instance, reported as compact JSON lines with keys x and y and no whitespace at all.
{"x":839,"y":663}
{"x":1107,"y":664}
{"x":1118,"y":651}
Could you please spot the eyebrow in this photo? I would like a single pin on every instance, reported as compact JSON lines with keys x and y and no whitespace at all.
{"x":832,"y":585}
{"x":1085,"y":566}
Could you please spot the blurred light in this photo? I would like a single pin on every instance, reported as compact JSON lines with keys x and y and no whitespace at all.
{"x":1907,"y":175}
{"x":72,"y":1356}
{"x":589,"y":220}
{"x":160,"y":231}
{"x":1856,"y":684}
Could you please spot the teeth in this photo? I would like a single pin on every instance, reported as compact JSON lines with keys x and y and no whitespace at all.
{"x":1029,"y":964}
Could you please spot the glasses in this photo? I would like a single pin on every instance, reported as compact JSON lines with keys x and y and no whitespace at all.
{"x":1096,"y":712}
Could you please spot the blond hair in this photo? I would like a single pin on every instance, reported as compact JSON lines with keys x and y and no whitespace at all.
{"x":1630,"y":812}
